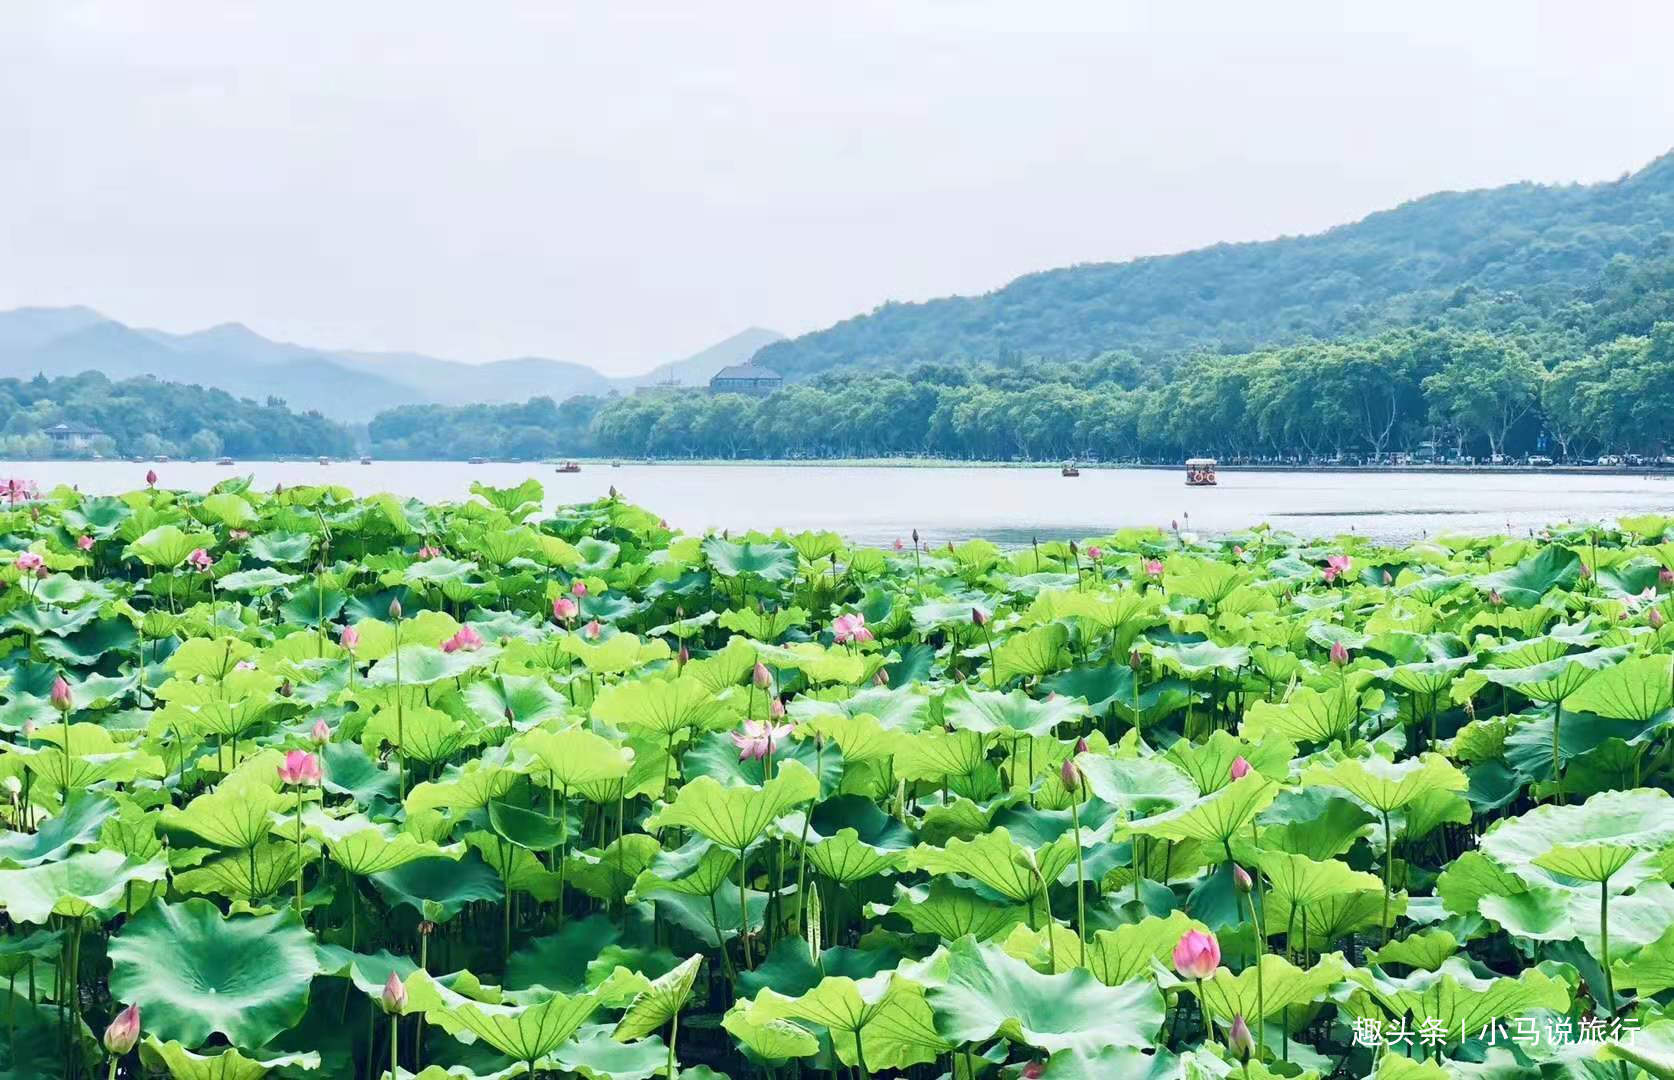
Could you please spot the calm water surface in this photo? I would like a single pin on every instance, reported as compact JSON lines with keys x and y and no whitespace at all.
{"x":876,"y":504}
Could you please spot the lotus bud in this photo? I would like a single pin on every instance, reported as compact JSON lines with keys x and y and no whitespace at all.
{"x":1241,"y":878}
{"x":1495,"y":599}
{"x":1239,"y":1040}
{"x":123,"y":1032}
{"x":321,"y":733}
{"x":1197,"y":955}
{"x":1081,"y":745}
{"x":299,"y":768}
{"x":426,"y":928}
{"x":760,"y":677}
{"x":395,"y":609}
{"x":286,"y":689}
{"x":1070,"y":775}
{"x":1656,"y":619}
{"x":1136,"y":660}
{"x":776,"y":709}
{"x":592,"y":630}
{"x":1174,"y":523}
{"x":578,"y":587}
{"x":1034,"y":1070}
{"x":978,"y":617}
{"x":151,"y":478}
{"x":394,"y":997}
{"x":1339,"y":654}
{"x":1387,"y":580}
{"x":60,"y":694}
{"x":881,"y":678}
{"x":900,"y":545}
{"x":1154,"y":568}
{"x":1240,"y":768}
{"x":564,"y":608}
{"x":1665,"y":576}
{"x":13,"y":786}
{"x":1095,"y":553}
{"x":685,"y":655}
{"x":1586,"y":571}
{"x":350,"y":638}
{"x":915,"y":537}
{"x":1072,"y":547}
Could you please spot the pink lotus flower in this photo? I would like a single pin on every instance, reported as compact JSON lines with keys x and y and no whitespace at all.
{"x":1154,"y":568}
{"x":1240,"y":768}
{"x":1070,"y":775}
{"x":564,"y":608}
{"x":123,"y":1032}
{"x":1666,"y":576}
{"x":151,"y":478}
{"x":428,"y":552}
{"x":300,"y":767}
{"x":1095,"y":553}
{"x":321,"y":733}
{"x":1197,"y":956}
{"x":60,"y":695}
{"x":350,"y":638}
{"x":1034,"y":1070}
{"x":1339,"y":654}
{"x":1336,"y":566}
{"x":1238,"y":550}
{"x":776,"y":709}
{"x":29,"y":562}
{"x":15,"y":491}
{"x":850,"y":628}
{"x":84,"y":542}
{"x":592,"y":630}
{"x":578,"y":587}
{"x":394,"y":997}
{"x":1239,"y":1040}
{"x":900,"y":545}
{"x":760,"y":676}
{"x":757,"y":739}
{"x":245,"y":665}
{"x":466,"y":640}
{"x":200,"y":559}
{"x":1241,"y":878}
{"x":1656,"y":619}
{"x":236,"y":535}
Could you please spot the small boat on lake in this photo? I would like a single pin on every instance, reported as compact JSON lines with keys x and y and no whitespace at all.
{"x":224,"y":461}
{"x":1200,"y":472}
{"x":569,"y":466}
{"x":366,"y":459}
{"x":1069,"y":469}
{"x":477,"y":461}
{"x":324,"y":460}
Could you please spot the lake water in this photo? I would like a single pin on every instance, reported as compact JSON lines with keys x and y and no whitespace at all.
{"x":876,"y":504}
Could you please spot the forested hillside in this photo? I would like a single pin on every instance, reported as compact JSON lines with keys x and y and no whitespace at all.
{"x":148,"y":417}
{"x":1487,"y":259}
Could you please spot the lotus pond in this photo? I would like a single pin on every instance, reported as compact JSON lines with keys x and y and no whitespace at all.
{"x":302,"y":784}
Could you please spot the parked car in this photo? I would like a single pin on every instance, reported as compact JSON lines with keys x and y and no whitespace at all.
{"x":1540,"y":460}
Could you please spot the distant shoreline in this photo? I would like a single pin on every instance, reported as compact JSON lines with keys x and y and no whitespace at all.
{"x":944,"y":463}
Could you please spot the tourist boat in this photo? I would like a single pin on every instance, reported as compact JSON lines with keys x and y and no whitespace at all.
{"x":224,"y":461}
{"x":324,"y":460}
{"x":476,"y":461}
{"x":1069,"y":469}
{"x":569,"y":466}
{"x":1200,"y":472}
{"x":366,"y":459}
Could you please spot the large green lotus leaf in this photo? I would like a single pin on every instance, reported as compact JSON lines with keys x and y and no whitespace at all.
{"x":1651,"y":1048}
{"x":1210,"y":762}
{"x":167,"y":546}
{"x":373,"y":849}
{"x":194,"y":973}
{"x":422,"y":665}
{"x":817,"y":663}
{"x":1114,"y":956}
{"x":349,"y":770}
{"x":767,"y":626}
{"x":1283,"y":985}
{"x":982,"y":993}
{"x":1040,"y":651}
{"x":614,"y":654}
{"x":1313,"y":822}
{"x":40,"y":621}
{"x":1641,"y":819}
{"x":439,"y":888}
{"x":1328,"y":920}
{"x":948,"y":911}
{"x":770,"y":561}
{"x":524,"y":1032}
{"x":421,"y":733}
{"x":1012,"y":714}
{"x":1638,"y":688}
{"x":998,"y":861}
{"x":528,"y":829}
{"x":1202,"y":658}
{"x":1523,"y":585}
{"x":1146,"y":785}
{"x":258,"y":580}
{"x":935,"y":755}
{"x":769,"y":1040}
{"x":209,"y":658}
{"x":234,"y":815}
{"x":84,"y":884}
{"x":1472,"y":877}
{"x":1128,"y":610}
{"x":521,"y":700}
{"x":1299,"y":880}
{"x":660,"y":707}
{"x":1551,"y":913}
{"x":1424,"y":951}
{"x":1386,"y":786}
{"x":1217,"y":817}
{"x":575,"y":757}
{"x":658,"y":1003}
{"x":1130,"y":1063}
{"x":1427,"y":677}
{"x":77,"y":822}
{"x":1460,"y":999}
{"x":462,"y":787}
{"x":1307,"y":716}
{"x":87,"y":646}
{"x":1651,"y":969}
{"x":735,"y":817}
{"x":280,"y":547}
{"x":261,"y":871}
{"x":182,"y":1064}
{"x":850,"y":1009}
{"x":593,"y":1055}
{"x":1555,"y":680}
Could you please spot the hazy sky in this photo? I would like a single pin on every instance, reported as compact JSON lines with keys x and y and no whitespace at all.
{"x":624,"y":182}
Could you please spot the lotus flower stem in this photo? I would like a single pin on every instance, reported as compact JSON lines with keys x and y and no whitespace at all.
{"x":993,"y":668}
{"x":1080,"y":877}
{"x":744,"y":913}
{"x":1557,"y":762}
{"x":673,"y":1035}
{"x":1388,"y":875}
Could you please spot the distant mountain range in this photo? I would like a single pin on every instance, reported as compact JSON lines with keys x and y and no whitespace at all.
{"x":341,"y":384}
